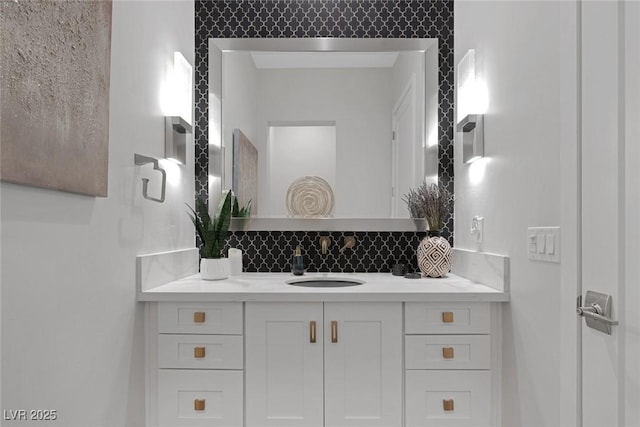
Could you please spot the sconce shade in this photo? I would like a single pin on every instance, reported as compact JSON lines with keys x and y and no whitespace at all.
{"x":472,"y":128}
{"x":179,"y":111}
{"x":182,"y":88}
{"x":470,"y":119}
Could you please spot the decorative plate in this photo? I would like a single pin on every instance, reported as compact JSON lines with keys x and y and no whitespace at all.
{"x":310,"y":197}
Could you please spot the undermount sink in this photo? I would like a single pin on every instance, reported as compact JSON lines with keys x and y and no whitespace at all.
{"x":324,"y":282}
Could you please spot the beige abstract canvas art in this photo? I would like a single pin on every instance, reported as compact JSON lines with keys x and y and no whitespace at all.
{"x":54,"y":126}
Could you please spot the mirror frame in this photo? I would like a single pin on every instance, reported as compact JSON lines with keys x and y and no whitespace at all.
{"x":309,"y":19}
{"x":217,"y":49}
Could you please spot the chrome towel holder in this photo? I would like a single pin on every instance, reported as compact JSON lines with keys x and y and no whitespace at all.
{"x":140,"y":160}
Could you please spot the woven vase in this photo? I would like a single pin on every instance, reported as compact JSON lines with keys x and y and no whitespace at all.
{"x":434,"y":255}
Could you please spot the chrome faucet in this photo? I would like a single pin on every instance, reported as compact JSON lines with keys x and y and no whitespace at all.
{"x":325,"y":242}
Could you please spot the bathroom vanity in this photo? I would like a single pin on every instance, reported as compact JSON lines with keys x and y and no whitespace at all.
{"x":253,"y":350}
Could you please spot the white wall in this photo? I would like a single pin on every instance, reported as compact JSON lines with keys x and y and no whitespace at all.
{"x":359,"y":101}
{"x":522,"y":57}
{"x":296,"y":151}
{"x":72,"y":335}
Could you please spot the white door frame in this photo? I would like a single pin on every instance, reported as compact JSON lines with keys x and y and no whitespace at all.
{"x":570,"y":223}
{"x":632,"y":213}
{"x":626,"y":304}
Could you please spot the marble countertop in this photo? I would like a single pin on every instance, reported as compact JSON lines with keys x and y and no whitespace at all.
{"x":273,"y":287}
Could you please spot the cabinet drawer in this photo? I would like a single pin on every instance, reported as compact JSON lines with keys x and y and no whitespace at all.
{"x":200,"y":398}
{"x":200,"y":351}
{"x":447,"y":352}
{"x":447,"y":318}
{"x":200,"y":318}
{"x":448,"y":398}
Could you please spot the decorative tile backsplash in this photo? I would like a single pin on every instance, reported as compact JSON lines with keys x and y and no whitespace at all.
{"x":374,"y":252}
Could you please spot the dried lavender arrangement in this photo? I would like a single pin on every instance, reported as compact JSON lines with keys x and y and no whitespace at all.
{"x":430,"y":201}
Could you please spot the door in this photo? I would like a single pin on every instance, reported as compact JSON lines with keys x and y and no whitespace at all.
{"x":284,"y":377}
{"x":363,"y":364}
{"x":610,"y":208}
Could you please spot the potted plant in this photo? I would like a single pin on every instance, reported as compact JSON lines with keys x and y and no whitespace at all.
{"x":213,"y":232}
{"x":433,"y":203}
{"x":237,"y":212}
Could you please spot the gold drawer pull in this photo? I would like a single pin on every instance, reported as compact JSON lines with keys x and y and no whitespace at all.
{"x":312,"y":331}
{"x":198,"y":405}
{"x":199,"y":352}
{"x":447,"y":352}
{"x":447,"y":317}
{"x":198,"y":317}
{"x":447,"y":405}
{"x":334,"y":331}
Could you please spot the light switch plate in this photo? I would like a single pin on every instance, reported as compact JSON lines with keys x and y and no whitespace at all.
{"x":543,"y":244}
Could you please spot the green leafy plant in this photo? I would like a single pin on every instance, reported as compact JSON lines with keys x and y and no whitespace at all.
{"x":432,"y":202}
{"x":236,"y":212}
{"x":212,"y":231}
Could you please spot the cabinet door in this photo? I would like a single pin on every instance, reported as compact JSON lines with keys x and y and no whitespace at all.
{"x":200,"y":351}
{"x":447,"y":352}
{"x":448,"y":398}
{"x":200,"y":318}
{"x":363,"y":364}
{"x":447,"y":318}
{"x":284,"y":365}
{"x":191,"y":398}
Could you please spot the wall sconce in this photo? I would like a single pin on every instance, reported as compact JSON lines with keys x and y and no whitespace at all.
{"x":469,"y":105}
{"x":178,"y":122}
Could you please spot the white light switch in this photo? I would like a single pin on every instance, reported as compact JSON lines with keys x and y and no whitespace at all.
{"x":543,"y":244}
{"x":550,"y":243}
{"x":540,"y":240}
{"x":532,"y":243}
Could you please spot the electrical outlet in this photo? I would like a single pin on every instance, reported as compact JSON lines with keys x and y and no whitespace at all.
{"x":477,"y":226}
{"x":543,"y":244}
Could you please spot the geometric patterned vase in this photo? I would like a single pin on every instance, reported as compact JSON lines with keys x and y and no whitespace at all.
{"x":434,"y":255}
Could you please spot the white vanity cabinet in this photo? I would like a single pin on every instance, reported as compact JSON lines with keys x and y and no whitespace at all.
{"x":323,"y":364}
{"x":199,"y":364}
{"x":254,"y":351}
{"x":448,"y":365}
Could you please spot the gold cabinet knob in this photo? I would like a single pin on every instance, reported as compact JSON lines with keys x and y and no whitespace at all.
{"x":199,"y":352}
{"x":447,"y":317}
{"x":447,"y":405}
{"x":198,"y":317}
{"x":447,"y":352}
{"x":198,"y":405}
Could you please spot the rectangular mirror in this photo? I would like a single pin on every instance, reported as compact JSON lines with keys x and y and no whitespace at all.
{"x":342,"y":128}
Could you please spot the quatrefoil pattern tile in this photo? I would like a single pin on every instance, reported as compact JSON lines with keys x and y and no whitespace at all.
{"x":375,"y":252}
{"x":327,"y":18}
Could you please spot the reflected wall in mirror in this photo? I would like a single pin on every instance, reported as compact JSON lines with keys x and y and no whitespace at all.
{"x":361,"y":115}
{"x":380,"y":20}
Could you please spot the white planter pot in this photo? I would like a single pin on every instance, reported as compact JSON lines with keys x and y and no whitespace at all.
{"x":214,"y":268}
